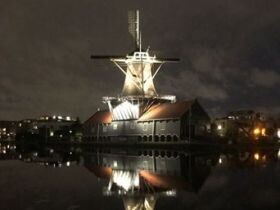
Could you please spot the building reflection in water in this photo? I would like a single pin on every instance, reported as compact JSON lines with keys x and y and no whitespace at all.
{"x":141,"y":177}
{"x":254,"y":158}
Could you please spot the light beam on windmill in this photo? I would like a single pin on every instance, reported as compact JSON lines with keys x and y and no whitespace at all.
{"x":139,"y":68}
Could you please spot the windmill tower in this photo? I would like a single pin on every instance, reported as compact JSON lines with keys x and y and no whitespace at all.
{"x":140,"y":69}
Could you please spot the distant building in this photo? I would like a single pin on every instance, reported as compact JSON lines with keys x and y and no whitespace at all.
{"x":58,"y":127}
{"x":165,"y":122}
{"x":245,"y":125}
{"x":7,"y":130}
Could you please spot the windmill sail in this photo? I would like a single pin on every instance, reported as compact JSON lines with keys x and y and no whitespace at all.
{"x":133,"y":27}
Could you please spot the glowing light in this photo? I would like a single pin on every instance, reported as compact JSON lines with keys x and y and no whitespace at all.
{"x":54,"y":117}
{"x":263,"y":131}
{"x":68,"y":163}
{"x":220,"y":160}
{"x":68,"y":118}
{"x":125,"y":179}
{"x":256,"y":131}
{"x":171,"y":193}
{"x":59,"y":117}
{"x":219,"y":127}
{"x":126,"y":111}
{"x":115,"y":164}
{"x":51,"y":133}
{"x":256,"y":156}
{"x":115,"y":126}
{"x":278,"y":133}
{"x":278,"y":154}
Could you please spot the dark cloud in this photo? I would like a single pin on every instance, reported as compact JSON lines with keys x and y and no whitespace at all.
{"x":229,"y":51}
{"x":265,"y":78}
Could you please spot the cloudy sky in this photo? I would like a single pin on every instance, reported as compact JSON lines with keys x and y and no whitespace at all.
{"x":229,"y":50}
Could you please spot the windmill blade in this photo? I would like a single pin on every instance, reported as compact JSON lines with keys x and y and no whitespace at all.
{"x":132,"y":23}
{"x":106,"y":56}
{"x":133,"y":26}
{"x":169,"y":59}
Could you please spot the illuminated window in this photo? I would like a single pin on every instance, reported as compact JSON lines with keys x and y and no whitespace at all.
{"x":51,"y":133}
{"x":115,"y":126}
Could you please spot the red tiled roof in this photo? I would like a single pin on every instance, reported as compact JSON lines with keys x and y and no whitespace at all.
{"x":100,"y":117}
{"x":100,"y":171}
{"x":165,"y":181}
{"x":167,"y":111}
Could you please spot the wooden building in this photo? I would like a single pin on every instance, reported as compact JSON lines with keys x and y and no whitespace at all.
{"x":165,"y":122}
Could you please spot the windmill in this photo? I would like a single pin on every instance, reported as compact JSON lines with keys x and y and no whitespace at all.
{"x":140,"y":69}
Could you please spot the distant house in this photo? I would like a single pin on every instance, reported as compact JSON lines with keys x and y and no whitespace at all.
{"x":47,"y":127}
{"x":163,"y":122}
{"x":7,"y":130}
{"x":245,"y":125}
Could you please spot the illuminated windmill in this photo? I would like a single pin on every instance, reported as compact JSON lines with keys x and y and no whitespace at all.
{"x":140,"y":69}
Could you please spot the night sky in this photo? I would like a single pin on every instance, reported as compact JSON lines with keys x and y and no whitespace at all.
{"x":229,"y":50}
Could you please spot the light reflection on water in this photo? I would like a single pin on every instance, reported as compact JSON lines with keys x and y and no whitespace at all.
{"x":158,"y":178}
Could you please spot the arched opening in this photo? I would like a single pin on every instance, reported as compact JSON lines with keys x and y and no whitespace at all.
{"x":156,"y":153}
{"x":145,"y":138}
{"x":156,"y":138}
{"x":168,"y":138}
{"x":175,"y":138}
{"x":168,"y":154}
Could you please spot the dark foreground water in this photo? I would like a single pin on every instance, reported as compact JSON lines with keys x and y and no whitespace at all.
{"x":107,"y":178}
